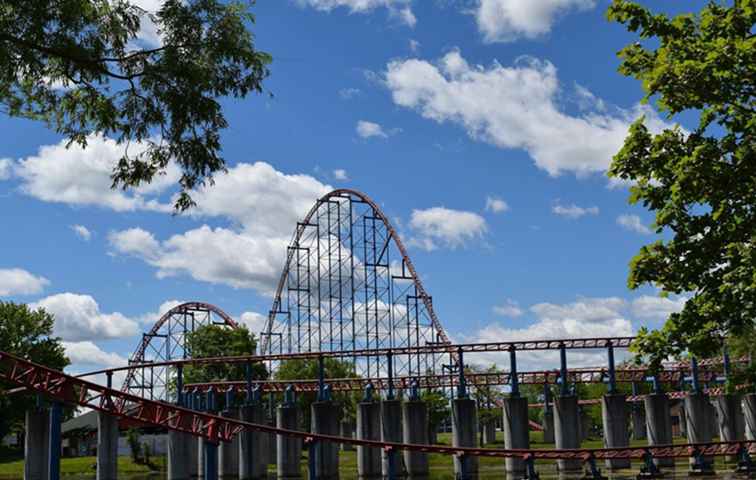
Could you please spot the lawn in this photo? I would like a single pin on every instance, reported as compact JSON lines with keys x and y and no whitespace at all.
{"x":12,"y":465}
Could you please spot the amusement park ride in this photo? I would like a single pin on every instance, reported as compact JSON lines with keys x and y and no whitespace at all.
{"x":349,"y":291}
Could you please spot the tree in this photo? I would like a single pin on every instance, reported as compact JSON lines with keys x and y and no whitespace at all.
{"x":701,"y":185}
{"x":79,"y":66}
{"x":216,"y":341}
{"x":26,"y":333}
{"x":309,"y":369}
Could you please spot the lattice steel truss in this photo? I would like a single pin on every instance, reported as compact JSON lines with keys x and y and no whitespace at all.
{"x":167,"y":341}
{"x":348,"y":284}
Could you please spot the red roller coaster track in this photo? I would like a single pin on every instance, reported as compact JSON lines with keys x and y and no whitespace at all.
{"x":213,"y":428}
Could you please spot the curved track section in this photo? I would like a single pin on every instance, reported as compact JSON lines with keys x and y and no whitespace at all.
{"x":75,"y":391}
{"x":348,"y":284}
{"x":165,"y":342}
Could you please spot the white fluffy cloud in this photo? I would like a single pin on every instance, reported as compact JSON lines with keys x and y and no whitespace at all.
{"x":217,"y":255}
{"x":367,"y":129}
{"x":584,"y":318}
{"x":507,"y":20}
{"x":82,"y":232}
{"x":17,"y":281}
{"x":255,"y":322}
{"x":496,"y":205}
{"x":513,"y":107}
{"x":263,"y":205}
{"x":440,"y":226}
{"x":340,"y":174}
{"x":78,"y":318}
{"x":633,"y":223}
{"x":510,"y":308}
{"x":6,"y":165}
{"x":348,"y":93}
{"x":399,"y":9}
{"x":81,"y":176}
{"x":88,"y":354}
{"x":648,"y":307}
{"x":573,"y":211}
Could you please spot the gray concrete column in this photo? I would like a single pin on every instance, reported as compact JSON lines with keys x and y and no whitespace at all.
{"x":465,"y":434}
{"x":391,"y":431}
{"x":415,"y":430}
{"x":347,"y":431}
{"x":107,"y":446}
{"x":288,"y":449}
{"x":730,"y":420}
{"x":200,"y":458}
{"x":516,"y":434}
{"x":37,"y":444}
{"x":325,"y":420}
{"x":228,"y":452}
{"x":253,"y":463}
{"x":585,"y":423}
{"x":548,"y":425}
{"x":566,"y":434}
{"x":659,"y":424}
{"x":749,"y":411}
{"x":639,"y":422}
{"x":272,"y":442}
{"x":698,"y":413}
{"x":614,"y":418}
{"x":730,"y":417}
{"x":180,"y":460}
{"x":489,"y":431}
{"x":682,"y":420}
{"x":368,"y":428}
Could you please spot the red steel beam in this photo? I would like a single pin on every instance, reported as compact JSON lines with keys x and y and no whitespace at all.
{"x":72,"y":390}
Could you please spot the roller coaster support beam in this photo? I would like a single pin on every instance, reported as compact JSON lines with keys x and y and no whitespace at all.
{"x":210,"y":448}
{"x":37,"y":442}
{"x":658,"y":422}
{"x":638,"y":418}
{"x":415,"y":430}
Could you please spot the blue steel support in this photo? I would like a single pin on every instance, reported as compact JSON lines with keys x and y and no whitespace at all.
{"x":726,"y":363}
{"x":656,"y":384}
{"x":210,"y":449}
{"x":321,"y":378}
{"x":612,"y":373}
{"x":461,"y":387}
{"x":56,"y":415}
{"x":513,"y":380}
{"x":694,"y":372}
{"x":110,"y":379}
{"x":180,"y":385}
{"x":390,"y":360}
{"x":565,"y":388}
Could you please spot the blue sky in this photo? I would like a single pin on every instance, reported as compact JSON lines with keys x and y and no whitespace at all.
{"x":500,"y":115}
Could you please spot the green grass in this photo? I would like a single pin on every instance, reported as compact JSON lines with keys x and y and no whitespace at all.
{"x":441,"y":466}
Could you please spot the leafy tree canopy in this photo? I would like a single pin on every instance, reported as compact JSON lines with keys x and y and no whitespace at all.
{"x":29,"y":334}
{"x":701,"y":185}
{"x":217,"y":341}
{"x":80,"y":67}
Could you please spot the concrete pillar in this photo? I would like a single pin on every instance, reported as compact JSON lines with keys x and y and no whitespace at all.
{"x":682,"y":420}
{"x":200,"y":458}
{"x":548,"y":424}
{"x":368,"y":428}
{"x":325,"y":420}
{"x":584,"y":427}
{"x":181,"y":461}
{"x":272,"y":442}
{"x":566,"y":420}
{"x":288,"y":449}
{"x":347,"y":431}
{"x":516,"y":434}
{"x":749,"y":411}
{"x":107,"y":446}
{"x":465,"y":434}
{"x":698,"y":412}
{"x":489,"y":431}
{"x":415,"y":430}
{"x":730,"y":420}
{"x":37,"y":444}
{"x":639,"y":422}
{"x":614,"y":418}
{"x":253,"y":465}
{"x":228,"y":452}
{"x":659,"y":424}
{"x":391,"y":431}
